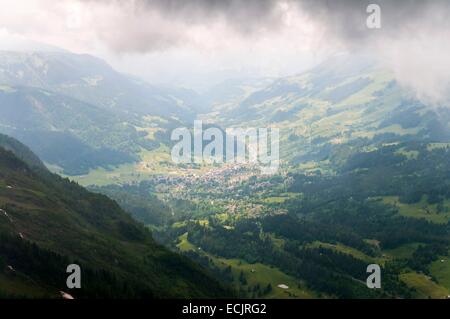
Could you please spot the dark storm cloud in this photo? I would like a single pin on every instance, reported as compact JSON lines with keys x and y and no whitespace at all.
{"x":413,"y":40}
{"x":346,"y":19}
{"x":149,"y":25}
{"x":158,"y":24}
{"x":245,"y":16}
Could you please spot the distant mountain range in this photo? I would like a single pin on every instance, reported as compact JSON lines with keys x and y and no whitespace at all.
{"x":77,"y":113}
{"x":88,"y":79}
{"x":348,"y":102}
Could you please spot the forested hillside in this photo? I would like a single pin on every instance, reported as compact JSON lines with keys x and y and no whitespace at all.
{"x":48,"y":223}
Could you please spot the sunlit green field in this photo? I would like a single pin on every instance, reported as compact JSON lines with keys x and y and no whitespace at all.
{"x":256,"y":274}
{"x":345,"y":250}
{"x":424,"y":286}
{"x":259,"y":274}
{"x":419,"y":210}
{"x":155,"y":162}
{"x":441,"y":270}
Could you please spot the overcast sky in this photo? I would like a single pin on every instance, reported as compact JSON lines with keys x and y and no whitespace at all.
{"x":198,"y":42}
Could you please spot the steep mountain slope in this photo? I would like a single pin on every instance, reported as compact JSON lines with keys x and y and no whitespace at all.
{"x":87,"y":79}
{"x":77,"y":113}
{"x":47,"y":222}
{"x":226,"y":95}
{"x":67,"y":132}
{"x":21,"y":151}
{"x":347,"y":100}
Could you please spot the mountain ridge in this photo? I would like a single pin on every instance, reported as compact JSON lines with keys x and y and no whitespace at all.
{"x":60,"y":218}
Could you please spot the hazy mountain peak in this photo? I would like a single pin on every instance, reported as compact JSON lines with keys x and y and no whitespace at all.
{"x":21,"y":44}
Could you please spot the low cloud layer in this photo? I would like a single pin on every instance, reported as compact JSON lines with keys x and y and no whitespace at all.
{"x":157,"y":24}
{"x":265,"y":34}
{"x":413,"y":40}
